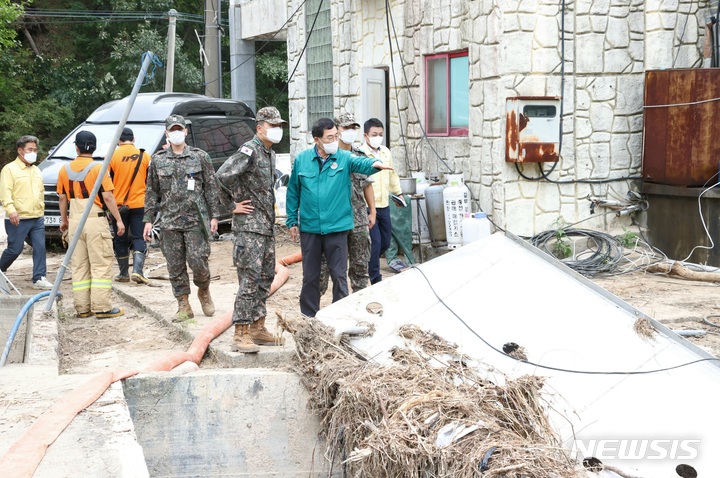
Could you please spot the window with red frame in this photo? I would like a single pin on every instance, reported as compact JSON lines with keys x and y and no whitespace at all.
{"x":447,"y":94}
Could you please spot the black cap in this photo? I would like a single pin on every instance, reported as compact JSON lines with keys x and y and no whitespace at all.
{"x":127,"y":135}
{"x":85,"y":141}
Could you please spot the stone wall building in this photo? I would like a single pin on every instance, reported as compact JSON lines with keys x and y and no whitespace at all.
{"x":509,"y":48}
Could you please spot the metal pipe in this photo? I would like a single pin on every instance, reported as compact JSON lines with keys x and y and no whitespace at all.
{"x":103,"y":171}
{"x":170,"y":68}
{"x":17,"y":323}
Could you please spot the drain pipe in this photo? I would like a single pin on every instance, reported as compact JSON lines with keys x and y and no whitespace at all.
{"x":17,"y":323}
{"x":147,"y":58}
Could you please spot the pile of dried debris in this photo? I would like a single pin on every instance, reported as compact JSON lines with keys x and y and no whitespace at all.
{"x":429,"y":413}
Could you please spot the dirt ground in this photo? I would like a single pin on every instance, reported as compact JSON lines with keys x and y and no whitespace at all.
{"x":90,"y":345}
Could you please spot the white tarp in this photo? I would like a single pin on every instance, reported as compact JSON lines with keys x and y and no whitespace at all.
{"x":507,"y":291}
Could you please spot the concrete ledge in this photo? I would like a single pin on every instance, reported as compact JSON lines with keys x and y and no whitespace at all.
{"x":43,"y":341}
{"x":240,"y":423}
{"x":163,"y":309}
{"x":100,"y":441}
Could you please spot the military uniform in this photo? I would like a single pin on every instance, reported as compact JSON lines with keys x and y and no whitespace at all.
{"x":183,"y":188}
{"x":249,"y":175}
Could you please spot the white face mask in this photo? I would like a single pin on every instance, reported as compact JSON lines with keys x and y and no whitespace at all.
{"x":348,"y":136}
{"x":30,"y":158}
{"x":176,"y":137}
{"x":330,"y":148}
{"x":274,"y":135}
{"x":375,"y":141}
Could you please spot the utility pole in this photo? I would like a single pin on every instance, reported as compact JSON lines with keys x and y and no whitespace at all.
{"x":170,"y":67}
{"x":212,"y":69}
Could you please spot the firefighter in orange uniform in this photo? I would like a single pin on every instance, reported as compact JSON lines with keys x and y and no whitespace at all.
{"x":93,"y":257}
{"x":128,"y":169}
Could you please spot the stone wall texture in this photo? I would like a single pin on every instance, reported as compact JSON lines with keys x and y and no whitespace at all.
{"x":515,"y":48}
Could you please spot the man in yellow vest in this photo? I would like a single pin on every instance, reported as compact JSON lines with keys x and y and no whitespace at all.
{"x":93,"y":257}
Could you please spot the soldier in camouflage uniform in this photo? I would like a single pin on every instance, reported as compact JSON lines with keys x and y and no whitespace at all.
{"x":363,"y":204}
{"x":181,"y":186}
{"x":246,"y":181}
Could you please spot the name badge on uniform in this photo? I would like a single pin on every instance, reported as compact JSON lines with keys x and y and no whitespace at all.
{"x":191,"y":184}
{"x":333,"y":166}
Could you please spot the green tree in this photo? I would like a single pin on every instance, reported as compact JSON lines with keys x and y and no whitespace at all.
{"x":126,"y":56}
{"x":9,"y":12}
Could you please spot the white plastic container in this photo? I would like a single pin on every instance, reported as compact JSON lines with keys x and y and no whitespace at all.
{"x":456,"y":199}
{"x":475,"y":227}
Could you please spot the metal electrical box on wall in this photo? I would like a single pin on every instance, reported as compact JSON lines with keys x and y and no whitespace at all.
{"x":532,"y":132}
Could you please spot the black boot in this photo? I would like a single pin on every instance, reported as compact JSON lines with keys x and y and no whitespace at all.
{"x":123,"y":264}
{"x":138,"y":262}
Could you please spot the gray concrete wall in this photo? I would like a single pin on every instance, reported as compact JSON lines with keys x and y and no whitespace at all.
{"x":231,"y":422}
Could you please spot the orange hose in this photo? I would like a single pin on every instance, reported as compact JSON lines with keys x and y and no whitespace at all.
{"x":211,"y":331}
{"x":23,"y":457}
{"x":291,"y":259}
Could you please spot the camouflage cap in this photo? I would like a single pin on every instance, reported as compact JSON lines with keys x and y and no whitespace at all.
{"x":174,"y":120}
{"x":269,"y":114}
{"x":346,"y":120}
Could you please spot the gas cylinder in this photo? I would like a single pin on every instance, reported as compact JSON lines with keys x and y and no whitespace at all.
{"x":435,"y":210}
{"x":456,"y":202}
{"x":420,"y":228}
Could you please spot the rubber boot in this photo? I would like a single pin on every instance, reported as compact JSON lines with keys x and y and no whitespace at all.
{"x":123,"y":263}
{"x":242,"y":341}
{"x":206,"y":301}
{"x":138,"y":262}
{"x":262,"y":336}
{"x":184,"y":312}
{"x":114,"y":312}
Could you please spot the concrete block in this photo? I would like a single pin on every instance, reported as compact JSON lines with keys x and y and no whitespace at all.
{"x":240,"y":423}
{"x":10,"y":306}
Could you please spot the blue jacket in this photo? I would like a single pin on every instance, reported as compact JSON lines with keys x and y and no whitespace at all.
{"x":318,"y":195}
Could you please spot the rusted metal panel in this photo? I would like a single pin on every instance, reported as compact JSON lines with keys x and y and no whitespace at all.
{"x":530,"y":139}
{"x":679,"y":137}
{"x":673,"y":224}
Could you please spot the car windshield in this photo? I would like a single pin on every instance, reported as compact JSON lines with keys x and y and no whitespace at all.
{"x":147,"y":136}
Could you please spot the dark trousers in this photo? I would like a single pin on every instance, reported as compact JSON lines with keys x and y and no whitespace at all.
{"x":380,"y":236}
{"x":32,"y":229}
{"x":335,"y":249}
{"x":134,"y":226}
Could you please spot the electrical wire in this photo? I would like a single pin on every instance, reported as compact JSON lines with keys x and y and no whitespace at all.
{"x":302,"y":52}
{"x":412,"y":100}
{"x":262,"y":47}
{"x":702,"y":220}
{"x":91,"y":16}
{"x":682,"y":35}
{"x":397,"y":97}
{"x":548,"y":367}
{"x":602,"y":255}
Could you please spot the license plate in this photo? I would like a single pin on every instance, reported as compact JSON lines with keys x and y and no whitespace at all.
{"x":52,"y":220}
